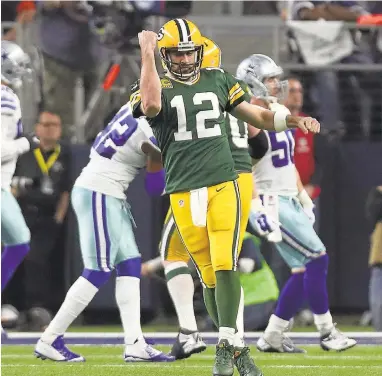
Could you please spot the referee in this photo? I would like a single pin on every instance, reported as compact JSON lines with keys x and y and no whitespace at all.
{"x":42,"y":187}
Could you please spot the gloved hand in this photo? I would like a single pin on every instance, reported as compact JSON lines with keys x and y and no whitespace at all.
{"x":307,"y":204}
{"x":261,"y":222}
{"x":33,"y":140}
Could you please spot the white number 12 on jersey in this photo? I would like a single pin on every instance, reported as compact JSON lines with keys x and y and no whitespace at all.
{"x":202,"y":132}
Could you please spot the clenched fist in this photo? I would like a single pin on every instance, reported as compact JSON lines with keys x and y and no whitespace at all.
{"x":147,"y":41}
{"x":308,"y":124}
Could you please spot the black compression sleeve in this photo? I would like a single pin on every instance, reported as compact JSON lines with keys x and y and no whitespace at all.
{"x":258,"y":145}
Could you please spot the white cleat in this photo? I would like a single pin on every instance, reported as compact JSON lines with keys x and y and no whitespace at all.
{"x":337,"y":341}
{"x":186,"y":345}
{"x":57,"y":351}
{"x":276,"y":342}
{"x":140,"y":351}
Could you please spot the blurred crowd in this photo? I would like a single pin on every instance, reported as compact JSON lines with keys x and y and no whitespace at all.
{"x":74,"y":46}
{"x":77,"y":39}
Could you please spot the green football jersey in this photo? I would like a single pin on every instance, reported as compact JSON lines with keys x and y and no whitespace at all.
{"x":191,"y":131}
{"x":238,"y":137}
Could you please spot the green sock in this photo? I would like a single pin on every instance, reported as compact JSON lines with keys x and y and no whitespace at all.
{"x":227,"y":295}
{"x":209,"y":301}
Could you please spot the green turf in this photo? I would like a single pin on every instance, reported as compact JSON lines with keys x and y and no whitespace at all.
{"x":361,"y":360}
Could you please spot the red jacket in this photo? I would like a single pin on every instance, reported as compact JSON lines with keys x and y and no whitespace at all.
{"x":304,"y":158}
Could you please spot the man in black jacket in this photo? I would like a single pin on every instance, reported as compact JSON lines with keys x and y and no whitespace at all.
{"x":41,"y":185}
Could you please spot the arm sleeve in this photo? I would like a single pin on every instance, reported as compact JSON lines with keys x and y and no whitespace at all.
{"x":236,"y":94}
{"x":258,"y":145}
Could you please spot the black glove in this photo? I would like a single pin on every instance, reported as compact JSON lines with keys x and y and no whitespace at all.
{"x":33,"y":140}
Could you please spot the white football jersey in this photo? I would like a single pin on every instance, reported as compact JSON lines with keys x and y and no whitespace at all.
{"x":275,"y":173}
{"x":116,"y":156}
{"x":11,"y":128}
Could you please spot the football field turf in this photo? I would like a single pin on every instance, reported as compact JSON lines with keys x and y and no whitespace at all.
{"x":107,"y":360}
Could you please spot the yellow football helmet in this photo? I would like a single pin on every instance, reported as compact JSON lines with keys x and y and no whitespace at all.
{"x":212,"y":54}
{"x":180,"y":35}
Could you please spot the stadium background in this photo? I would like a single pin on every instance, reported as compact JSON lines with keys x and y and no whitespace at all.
{"x":350,"y":167}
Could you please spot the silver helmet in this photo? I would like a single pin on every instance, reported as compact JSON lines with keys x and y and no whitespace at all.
{"x":15,"y":64}
{"x":255,"y":69}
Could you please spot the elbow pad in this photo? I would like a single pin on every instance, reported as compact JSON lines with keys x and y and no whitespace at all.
{"x":258,"y":145}
{"x":155,"y":183}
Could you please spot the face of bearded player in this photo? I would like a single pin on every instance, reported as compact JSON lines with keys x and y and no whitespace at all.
{"x":182,"y":63}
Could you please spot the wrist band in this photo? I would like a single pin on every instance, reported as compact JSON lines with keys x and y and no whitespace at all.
{"x":280,"y":121}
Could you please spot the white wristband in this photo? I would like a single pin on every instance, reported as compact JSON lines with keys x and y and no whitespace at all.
{"x":279,"y":121}
{"x":305,"y":200}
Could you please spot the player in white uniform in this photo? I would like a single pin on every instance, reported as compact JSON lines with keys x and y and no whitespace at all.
{"x":289,"y":205}
{"x":14,"y":231}
{"x":107,"y":240}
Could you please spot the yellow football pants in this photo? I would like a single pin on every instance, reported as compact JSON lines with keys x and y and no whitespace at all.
{"x":217,"y":246}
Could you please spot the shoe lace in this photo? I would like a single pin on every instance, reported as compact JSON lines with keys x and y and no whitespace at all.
{"x":63,"y":349}
{"x":244,"y":363}
{"x":223,"y":355}
{"x":337,"y":334}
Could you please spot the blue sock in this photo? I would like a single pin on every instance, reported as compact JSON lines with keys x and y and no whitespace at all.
{"x":315,"y":285}
{"x":11,"y":258}
{"x":291,"y":297}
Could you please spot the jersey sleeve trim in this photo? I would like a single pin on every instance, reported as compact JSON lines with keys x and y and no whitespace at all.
{"x":8,"y":105}
{"x":135,"y":100}
{"x":235,"y":93}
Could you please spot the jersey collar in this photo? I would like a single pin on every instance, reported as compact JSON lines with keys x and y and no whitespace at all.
{"x":188,"y":83}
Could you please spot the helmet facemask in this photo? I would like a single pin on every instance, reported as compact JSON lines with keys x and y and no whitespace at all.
{"x":276,"y":88}
{"x":183,"y":71}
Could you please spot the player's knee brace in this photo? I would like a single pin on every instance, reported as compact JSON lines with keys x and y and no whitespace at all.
{"x":129,"y":268}
{"x":318,"y":266}
{"x":96,"y":277}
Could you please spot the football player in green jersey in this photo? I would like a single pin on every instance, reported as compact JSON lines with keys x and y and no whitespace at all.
{"x":186,"y":110}
{"x":175,"y":256}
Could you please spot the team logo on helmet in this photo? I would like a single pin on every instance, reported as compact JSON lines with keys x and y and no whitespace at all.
{"x":160,"y":34}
